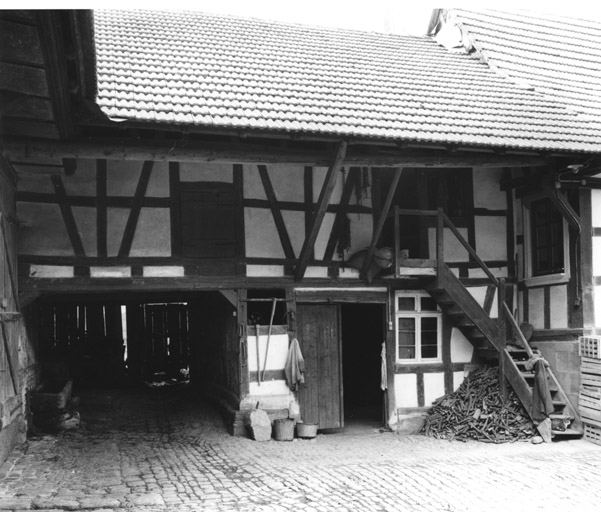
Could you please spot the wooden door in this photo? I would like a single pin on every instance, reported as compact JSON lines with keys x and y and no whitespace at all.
{"x":320,"y":398}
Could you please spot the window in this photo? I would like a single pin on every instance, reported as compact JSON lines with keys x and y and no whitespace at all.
{"x":418,"y":328}
{"x":546,"y":225}
{"x":546,"y":239}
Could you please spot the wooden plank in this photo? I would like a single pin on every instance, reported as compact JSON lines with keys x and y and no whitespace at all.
{"x":89,"y":201}
{"x":489,"y":298}
{"x":23,"y":107}
{"x":381,"y":220}
{"x":68,"y":217}
{"x":175,"y":208}
{"x":23,"y":79}
{"x":52,"y":40}
{"x":308,"y":206}
{"x":20,"y":42}
{"x":11,"y":369}
{"x":276,"y":212}
{"x":349,"y":185}
{"x":30,"y":127}
{"x":322,"y":203}
{"x":9,"y":261}
{"x":134,"y":214}
{"x":265,"y":154}
{"x":238,"y":178}
{"x":101,"y":208}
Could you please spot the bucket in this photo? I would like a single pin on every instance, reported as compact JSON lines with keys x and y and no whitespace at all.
{"x":283,"y":430}
{"x":306,"y":430}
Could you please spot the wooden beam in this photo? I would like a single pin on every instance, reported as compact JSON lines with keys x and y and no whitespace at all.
{"x":240,"y":151}
{"x":276,"y":212}
{"x":349,"y":186}
{"x":568,"y":213}
{"x":134,"y":214}
{"x":12,"y":371}
{"x":322,"y":203}
{"x":380,"y":225}
{"x":176,"y":209}
{"x":9,"y":261}
{"x":68,"y":217}
{"x":101,"y":208}
{"x":309,"y":205}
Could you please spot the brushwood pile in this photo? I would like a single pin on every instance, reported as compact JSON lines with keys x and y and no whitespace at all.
{"x":478,"y":411}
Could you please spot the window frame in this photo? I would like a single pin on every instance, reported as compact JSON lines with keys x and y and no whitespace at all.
{"x":530,"y":279}
{"x":417,"y":314}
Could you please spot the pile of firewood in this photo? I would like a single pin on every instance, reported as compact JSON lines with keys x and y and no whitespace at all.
{"x":477,"y":411}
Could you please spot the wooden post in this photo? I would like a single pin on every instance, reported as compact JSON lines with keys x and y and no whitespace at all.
{"x":397,"y":241}
{"x":502,"y":294}
{"x":439,"y":244}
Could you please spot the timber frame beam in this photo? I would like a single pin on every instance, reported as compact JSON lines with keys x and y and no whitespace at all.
{"x":320,"y":211}
{"x":266,"y":153}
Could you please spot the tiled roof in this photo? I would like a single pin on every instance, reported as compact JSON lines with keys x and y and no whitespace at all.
{"x":559,"y":56}
{"x":190,"y":68}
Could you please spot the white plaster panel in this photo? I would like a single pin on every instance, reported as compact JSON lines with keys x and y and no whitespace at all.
{"x":536,"y":305}
{"x":596,"y":208}
{"x":433,"y":387}
{"x":204,"y":171}
{"x":453,"y":250}
{"x":167,"y":271}
{"x":558,"y":296}
{"x":50,"y":271}
{"x":324,"y":235}
{"x":458,"y":378}
{"x":405,"y":390}
{"x":487,"y":190}
{"x":83,"y":181}
{"x":42,"y":230}
{"x":158,"y":185}
{"x":361,"y":233}
{"x":295,"y":226}
{"x":491,"y":238}
{"x":252,"y":184}
{"x":35,"y":182}
{"x":153,"y":233}
{"x":110,"y":271}
{"x":85,"y":220}
{"x":271,"y":388}
{"x":461,"y":349}
{"x":122,"y":177}
{"x":495,"y":271}
{"x":316,"y":272}
{"x":276,"y":357}
{"x":264,"y":270}
{"x":288,"y":182}
{"x":597,"y":306}
{"x":479,"y":293}
{"x":597,"y":256}
{"x":116,"y":219}
{"x":319,"y":175}
{"x":262,"y":238}
{"x":349,"y":273}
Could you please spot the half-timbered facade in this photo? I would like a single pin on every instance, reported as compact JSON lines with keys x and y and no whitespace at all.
{"x":388,"y":203}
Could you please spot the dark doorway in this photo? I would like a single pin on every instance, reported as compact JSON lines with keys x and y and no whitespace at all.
{"x":362,"y":336}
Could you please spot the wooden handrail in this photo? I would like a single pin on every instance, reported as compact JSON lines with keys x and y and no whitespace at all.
{"x":469,"y":248}
{"x":517,"y":330}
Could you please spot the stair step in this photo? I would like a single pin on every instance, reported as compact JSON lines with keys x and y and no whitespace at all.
{"x":567,"y":432}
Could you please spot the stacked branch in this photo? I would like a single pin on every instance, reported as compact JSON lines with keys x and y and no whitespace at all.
{"x":478,"y":411}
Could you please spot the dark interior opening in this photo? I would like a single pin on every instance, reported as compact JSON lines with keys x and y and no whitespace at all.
{"x":362,"y":336}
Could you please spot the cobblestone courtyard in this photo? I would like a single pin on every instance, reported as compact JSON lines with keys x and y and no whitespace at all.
{"x":160,"y":450}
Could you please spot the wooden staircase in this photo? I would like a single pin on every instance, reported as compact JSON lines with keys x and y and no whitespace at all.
{"x":489,"y":338}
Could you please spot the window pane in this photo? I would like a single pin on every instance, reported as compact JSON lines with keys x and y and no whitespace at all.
{"x":406,"y":338}
{"x":547,"y":238}
{"x":428,"y":304}
{"x":406,"y":304}
{"x":429,"y":338}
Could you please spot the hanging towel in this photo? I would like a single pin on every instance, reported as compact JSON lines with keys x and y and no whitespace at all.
{"x":383,"y":370}
{"x":295,"y":366}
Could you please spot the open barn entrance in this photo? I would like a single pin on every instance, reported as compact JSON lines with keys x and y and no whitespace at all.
{"x":363,"y":332}
{"x":137,"y":339}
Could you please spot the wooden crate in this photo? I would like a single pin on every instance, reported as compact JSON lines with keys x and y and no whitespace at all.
{"x":590,"y":396}
{"x":589,"y":346}
{"x":592,"y":433}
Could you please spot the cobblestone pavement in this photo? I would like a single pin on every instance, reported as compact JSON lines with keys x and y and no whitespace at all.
{"x":158,"y":450}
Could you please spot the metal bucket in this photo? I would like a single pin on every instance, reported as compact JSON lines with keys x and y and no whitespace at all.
{"x":306,"y":430}
{"x":283,"y":429}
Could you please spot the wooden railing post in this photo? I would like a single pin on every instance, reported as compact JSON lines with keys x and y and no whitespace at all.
{"x":397,"y":241}
{"x":439,"y":244}
{"x":502,"y":321}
